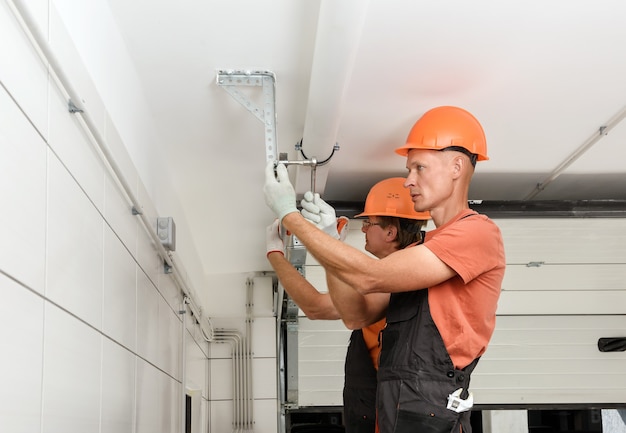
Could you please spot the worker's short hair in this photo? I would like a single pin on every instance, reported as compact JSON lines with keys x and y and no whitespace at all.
{"x":409,"y":230}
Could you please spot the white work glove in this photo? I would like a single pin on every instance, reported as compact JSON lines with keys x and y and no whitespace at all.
{"x":320,"y":213}
{"x":273,"y":241}
{"x":279,"y":194}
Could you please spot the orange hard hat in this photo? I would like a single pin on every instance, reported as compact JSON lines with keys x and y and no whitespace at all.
{"x":389,"y":197}
{"x":447,"y":126}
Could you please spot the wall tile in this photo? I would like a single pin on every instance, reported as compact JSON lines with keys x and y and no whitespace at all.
{"x":74,"y":247}
{"x":23,"y":74}
{"x":21,"y":361}
{"x":148,"y":399}
{"x":263,"y":337}
{"x":118,"y":388}
{"x":170,"y":291}
{"x":170,"y":339}
{"x":23,"y":196}
{"x":221,"y":416}
{"x":265,"y":416}
{"x":264,"y":378}
{"x":204,"y":423}
{"x":147,"y":318}
{"x":148,"y":257}
{"x":171,"y":405}
{"x":71,"y":375}
{"x":196,"y":367}
{"x":119,"y":318}
{"x":221,"y":379}
{"x":158,"y":400}
{"x":263,"y":297}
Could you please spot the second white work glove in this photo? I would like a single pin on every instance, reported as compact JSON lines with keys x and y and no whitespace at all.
{"x":320,"y":213}
{"x":273,"y":241}
{"x":279,"y":193}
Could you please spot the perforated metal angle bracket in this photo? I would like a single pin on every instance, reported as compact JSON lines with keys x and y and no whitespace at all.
{"x":230,"y":80}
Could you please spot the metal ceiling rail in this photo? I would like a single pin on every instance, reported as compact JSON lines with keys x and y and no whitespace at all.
{"x":595,"y":137}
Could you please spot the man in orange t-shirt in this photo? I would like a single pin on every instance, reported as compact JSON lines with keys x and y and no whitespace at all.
{"x":439,"y":298}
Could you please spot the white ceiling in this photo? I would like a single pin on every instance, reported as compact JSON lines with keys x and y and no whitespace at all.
{"x":542,"y":76}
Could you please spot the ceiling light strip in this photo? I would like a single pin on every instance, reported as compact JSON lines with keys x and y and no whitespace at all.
{"x":601,"y":132}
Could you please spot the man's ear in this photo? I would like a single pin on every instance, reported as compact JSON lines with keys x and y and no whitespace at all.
{"x":391,"y":233}
{"x":459,"y":165}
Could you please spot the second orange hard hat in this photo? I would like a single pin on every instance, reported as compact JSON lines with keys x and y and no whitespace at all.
{"x":389,"y":197}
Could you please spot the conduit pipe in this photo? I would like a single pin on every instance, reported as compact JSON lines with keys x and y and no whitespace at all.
{"x":339,"y":29}
{"x":595,"y":137}
{"x":242,"y":398}
{"x":22,"y":15}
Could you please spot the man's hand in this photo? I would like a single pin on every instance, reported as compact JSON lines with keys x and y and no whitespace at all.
{"x":320,"y":213}
{"x":273,"y":241}
{"x":279,"y":194}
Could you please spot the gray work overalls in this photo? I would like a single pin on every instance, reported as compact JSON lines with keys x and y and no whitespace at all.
{"x":359,"y":391}
{"x":416,"y":374}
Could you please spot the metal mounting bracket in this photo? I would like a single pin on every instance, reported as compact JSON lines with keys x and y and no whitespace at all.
{"x":230,"y":80}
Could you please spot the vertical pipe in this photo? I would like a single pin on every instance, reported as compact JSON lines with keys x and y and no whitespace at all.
{"x":183,"y":367}
{"x":249,"y":390}
{"x":237,"y":344}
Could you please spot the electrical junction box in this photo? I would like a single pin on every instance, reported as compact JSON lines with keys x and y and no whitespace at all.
{"x":166,"y":231}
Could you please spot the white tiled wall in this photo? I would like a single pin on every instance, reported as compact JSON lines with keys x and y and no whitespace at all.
{"x":82,"y":321}
{"x":89,"y":321}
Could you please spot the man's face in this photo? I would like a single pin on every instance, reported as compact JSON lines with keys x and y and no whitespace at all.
{"x":374,"y":235}
{"x":428,"y":179}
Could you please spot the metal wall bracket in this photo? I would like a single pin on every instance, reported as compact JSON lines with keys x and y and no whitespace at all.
{"x":230,"y":80}
{"x":72,"y":108}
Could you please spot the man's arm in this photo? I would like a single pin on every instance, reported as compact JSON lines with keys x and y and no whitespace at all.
{"x":357,"y":311}
{"x":405,"y":270}
{"x":409,"y":269}
{"x":316,"y":305}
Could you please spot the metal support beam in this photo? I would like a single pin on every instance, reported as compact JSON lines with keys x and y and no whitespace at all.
{"x":230,"y":80}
